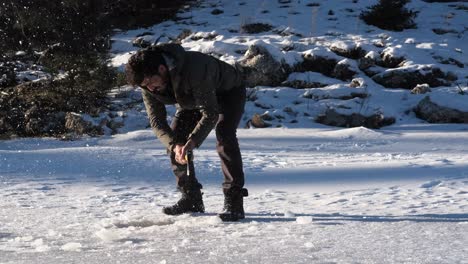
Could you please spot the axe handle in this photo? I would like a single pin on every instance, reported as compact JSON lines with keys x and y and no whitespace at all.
{"x":189,"y":159}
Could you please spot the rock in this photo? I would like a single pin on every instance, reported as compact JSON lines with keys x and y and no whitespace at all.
{"x":442,"y":31}
{"x":369,"y":64}
{"x":379,"y":43}
{"x":451,"y":61}
{"x":141,"y":42}
{"x":409,"y":77}
{"x":204,"y":35}
{"x":289,"y":111}
{"x":343,"y":70}
{"x":114,"y":125}
{"x":365,"y":63}
{"x":260,"y":68}
{"x":257,"y":122}
{"x":357,"y":83}
{"x":434,"y":113}
{"x":301,"y":84}
{"x":421,"y":89}
{"x":333,"y":118}
{"x":317,"y":63}
{"x":391,"y":58}
{"x":217,"y":11}
{"x":267,"y":117}
{"x":76,"y":124}
{"x":301,"y":80}
{"x":348,"y":50}
{"x":182,"y":35}
{"x":256,"y":28}
{"x":370,"y":59}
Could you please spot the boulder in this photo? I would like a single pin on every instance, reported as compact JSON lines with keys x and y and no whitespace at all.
{"x":333,"y":118}
{"x":372,"y":58}
{"x":409,"y":77}
{"x":317,"y":63}
{"x":343,"y":70}
{"x":257,"y":121}
{"x":391,"y":58}
{"x":366,"y":63}
{"x":434,"y":113}
{"x":348,"y":50}
{"x":369,"y":64}
{"x":260,"y":68}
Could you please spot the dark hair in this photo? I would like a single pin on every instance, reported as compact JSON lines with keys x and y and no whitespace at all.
{"x":142,"y":64}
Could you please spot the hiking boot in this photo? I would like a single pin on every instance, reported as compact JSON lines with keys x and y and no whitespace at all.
{"x":233,"y":204}
{"x":191,"y":202}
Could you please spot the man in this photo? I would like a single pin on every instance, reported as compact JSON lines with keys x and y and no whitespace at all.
{"x":207,"y":93}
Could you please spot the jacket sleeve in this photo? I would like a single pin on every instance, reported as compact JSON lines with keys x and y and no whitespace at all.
{"x":207,"y":102}
{"x":157,"y":116}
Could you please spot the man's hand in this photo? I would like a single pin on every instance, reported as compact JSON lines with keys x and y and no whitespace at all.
{"x":181,"y":150}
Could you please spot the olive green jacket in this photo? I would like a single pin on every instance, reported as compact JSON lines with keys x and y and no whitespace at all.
{"x":197,"y":81}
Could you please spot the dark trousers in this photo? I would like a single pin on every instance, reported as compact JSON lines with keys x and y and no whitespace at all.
{"x":232,"y":108}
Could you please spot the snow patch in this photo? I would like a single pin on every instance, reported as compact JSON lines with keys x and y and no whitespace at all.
{"x":73,"y":246}
{"x":304,"y":220}
{"x":108,"y":235}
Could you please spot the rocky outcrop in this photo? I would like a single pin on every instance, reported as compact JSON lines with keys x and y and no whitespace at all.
{"x":332,"y":118}
{"x":260,"y":68}
{"x":434,"y":113}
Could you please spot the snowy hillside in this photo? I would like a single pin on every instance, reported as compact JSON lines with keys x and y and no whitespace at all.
{"x":318,"y":194}
{"x":305,"y":28}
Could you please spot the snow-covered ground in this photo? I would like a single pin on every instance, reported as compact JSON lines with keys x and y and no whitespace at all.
{"x":318,"y":195}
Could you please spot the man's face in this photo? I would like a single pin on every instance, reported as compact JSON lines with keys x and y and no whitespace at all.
{"x":157,"y":82}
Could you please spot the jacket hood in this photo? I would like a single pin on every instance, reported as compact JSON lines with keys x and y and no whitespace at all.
{"x":175,"y":51}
